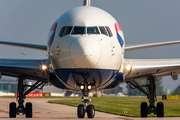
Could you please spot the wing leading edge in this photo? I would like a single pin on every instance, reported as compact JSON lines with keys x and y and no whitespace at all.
{"x":25,"y":45}
{"x":29,"y":69}
{"x":137,"y":47}
{"x":141,"y":69}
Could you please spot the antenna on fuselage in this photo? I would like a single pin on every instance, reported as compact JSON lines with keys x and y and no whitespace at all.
{"x":87,"y":2}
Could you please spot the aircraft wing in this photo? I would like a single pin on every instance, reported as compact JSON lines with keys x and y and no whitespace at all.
{"x":25,"y":45}
{"x":137,"y":47}
{"x":142,"y":68}
{"x":29,"y":69}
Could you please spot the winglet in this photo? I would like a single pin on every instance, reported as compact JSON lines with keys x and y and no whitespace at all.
{"x":87,"y":3}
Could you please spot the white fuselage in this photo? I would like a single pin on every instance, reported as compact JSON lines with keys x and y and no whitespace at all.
{"x":86,"y":53}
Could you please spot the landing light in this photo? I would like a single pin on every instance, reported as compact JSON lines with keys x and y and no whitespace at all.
{"x":128,"y":67}
{"x":89,"y":87}
{"x":43,"y":67}
{"x":82,"y":87}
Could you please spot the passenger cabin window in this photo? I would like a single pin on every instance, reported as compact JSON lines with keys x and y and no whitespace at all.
{"x":103,"y":30}
{"x":68,"y":30}
{"x":62,"y":31}
{"x":92,"y":30}
{"x":78,"y":30}
{"x":109,"y":31}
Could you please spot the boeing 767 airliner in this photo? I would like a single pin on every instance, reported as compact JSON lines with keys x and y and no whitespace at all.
{"x":86,"y":48}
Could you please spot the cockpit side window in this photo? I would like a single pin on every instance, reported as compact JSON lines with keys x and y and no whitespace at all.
{"x":92,"y":30}
{"x":78,"y":30}
{"x":68,"y":30}
{"x":103,"y":30}
{"x":62,"y":31}
{"x":109,"y":31}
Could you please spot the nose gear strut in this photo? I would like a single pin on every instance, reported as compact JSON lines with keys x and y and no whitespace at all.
{"x":85,"y":108}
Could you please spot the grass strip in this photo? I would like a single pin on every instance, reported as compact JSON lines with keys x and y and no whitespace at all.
{"x":119,"y":105}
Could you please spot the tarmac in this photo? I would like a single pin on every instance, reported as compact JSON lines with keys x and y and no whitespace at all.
{"x":44,"y":110}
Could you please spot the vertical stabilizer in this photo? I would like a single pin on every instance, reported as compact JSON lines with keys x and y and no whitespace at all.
{"x":87,"y":2}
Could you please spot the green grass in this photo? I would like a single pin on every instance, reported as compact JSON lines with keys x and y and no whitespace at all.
{"x":116,"y":105}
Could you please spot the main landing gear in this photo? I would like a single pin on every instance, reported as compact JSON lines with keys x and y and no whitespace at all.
{"x":151,"y":95}
{"x":85,"y":108}
{"x":21,"y":95}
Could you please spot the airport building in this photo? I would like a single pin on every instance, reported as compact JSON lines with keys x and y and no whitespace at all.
{"x":8,"y":86}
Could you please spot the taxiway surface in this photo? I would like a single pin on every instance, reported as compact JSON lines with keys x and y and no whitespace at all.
{"x":44,"y":110}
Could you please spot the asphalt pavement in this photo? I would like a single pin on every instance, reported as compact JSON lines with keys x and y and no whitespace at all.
{"x":44,"y":110}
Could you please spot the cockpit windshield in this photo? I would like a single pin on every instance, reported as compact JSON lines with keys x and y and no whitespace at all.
{"x":78,"y":30}
{"x":92,"y":30}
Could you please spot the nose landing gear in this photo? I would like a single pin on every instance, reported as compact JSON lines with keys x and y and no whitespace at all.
{"x":86,"y":108}
{"x":82,"y":109}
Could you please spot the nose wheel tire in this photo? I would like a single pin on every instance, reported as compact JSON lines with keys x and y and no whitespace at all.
{"x":160,"y":109}
{"x":144,"y":109}
{"x":12,"y":110}
{"x":90,"y":111}
{"x":28,"y":110}
{"x":80,"y":111}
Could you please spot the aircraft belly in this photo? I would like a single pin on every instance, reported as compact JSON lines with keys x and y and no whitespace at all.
{"x":103,"y":78}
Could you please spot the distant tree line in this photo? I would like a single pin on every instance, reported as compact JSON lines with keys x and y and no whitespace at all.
{"x":176,"y":91}
{"x":113,"y":91}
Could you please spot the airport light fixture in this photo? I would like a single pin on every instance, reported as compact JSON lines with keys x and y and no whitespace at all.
{"x":23,"y":53}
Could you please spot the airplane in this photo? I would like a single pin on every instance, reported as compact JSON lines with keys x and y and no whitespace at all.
{"x":86,"y":48}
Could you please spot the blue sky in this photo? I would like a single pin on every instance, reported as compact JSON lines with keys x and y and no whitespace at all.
{"x":142,"y":22}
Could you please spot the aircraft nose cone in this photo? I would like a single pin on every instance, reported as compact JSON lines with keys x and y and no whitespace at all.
{"x":85,"y":52}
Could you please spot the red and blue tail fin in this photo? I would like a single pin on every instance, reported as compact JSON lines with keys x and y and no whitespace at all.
{"x":87,"y":2}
